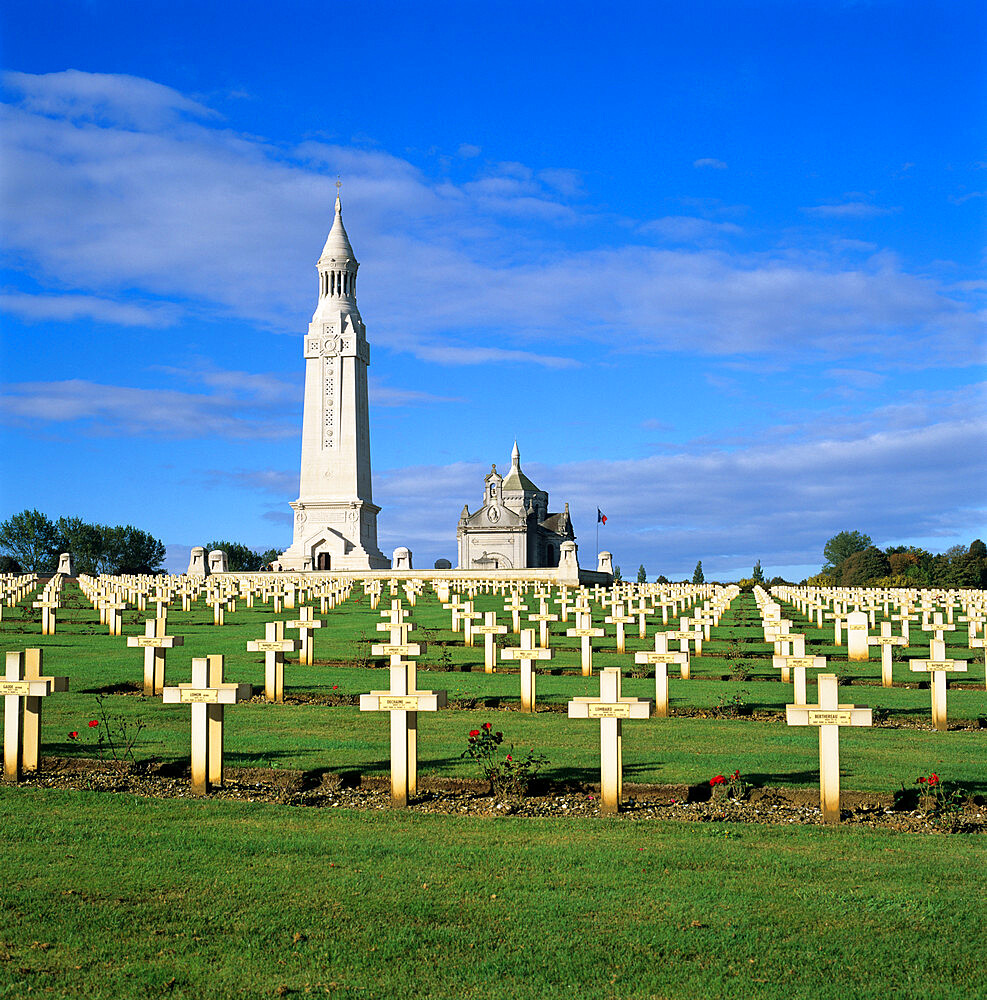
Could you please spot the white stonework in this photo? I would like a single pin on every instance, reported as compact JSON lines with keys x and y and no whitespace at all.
{"x":218,"y":561}
{"x":335,"y":518}
{"x":513,"y":528}
{"x":197,"y":562}
{"x":65,"y":564}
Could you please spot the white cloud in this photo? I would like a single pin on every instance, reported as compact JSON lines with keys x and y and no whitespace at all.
{"x":61,"y":308}
{"x":850,"y":210}
{"x":709,"y":162}
{"x":215,"y":222}
{"x":689,"y":228}
{"x":121,"y":410}
{"x":468,"y":151}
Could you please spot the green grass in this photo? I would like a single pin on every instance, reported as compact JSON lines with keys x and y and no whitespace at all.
{"x":109,"y":896}
{"x":678,"y":749}
{"x":114,"y":896}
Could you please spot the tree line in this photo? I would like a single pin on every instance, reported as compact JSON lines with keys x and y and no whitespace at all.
{"x":31,"y":543}
{"x":852,"y":560}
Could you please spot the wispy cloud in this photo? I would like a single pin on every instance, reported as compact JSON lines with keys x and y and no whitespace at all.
{"x":850,"y":210}
{"x":709,"y":162}
{"x":61,"y":308}
{"x":168,"y":205}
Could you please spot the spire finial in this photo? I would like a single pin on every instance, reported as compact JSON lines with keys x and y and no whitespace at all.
{"x":339,"y":184}
{"x":515,"y":453}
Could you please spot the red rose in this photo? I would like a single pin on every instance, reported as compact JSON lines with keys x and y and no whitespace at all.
{"x":933,"y":779}
{"x":73,"y":735}
{"x":718,"y":780}
{"x":509,"y":757}
{"x":474,"y":732}
{"x":488,"y":725}
{"x":920,"y":781}
{"x":93,"y":723}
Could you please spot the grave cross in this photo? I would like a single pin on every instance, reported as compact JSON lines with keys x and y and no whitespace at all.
{"x":799,"y":663}
{"x":23,"y":688}
{"x":585,"y":632}
{"x":515,"y":605}
{"x":207,"y":694}
{"x":938,"y":666}
{"x":154,"y":642}
{"x":274,"y":645}
{"x":488,"y":630}
{"x":49,"y":604}
{"x":404,"y":703}
{"x":611,"y":709}
{"x":306,"y":622}
{"x":619,"y":619}
{"x":660,"y":657}
{"x":886,"y":640}
{"x":828,"y":715}
{"x":527,"y":653}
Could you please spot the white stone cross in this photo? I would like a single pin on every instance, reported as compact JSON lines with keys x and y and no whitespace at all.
{"x":404,"y":703}
{"x":23,"y":687}
{"x":207,"y":694}
{"x":274,"y":645}
{"x":828,"y":715}
{"x":585,"y":632}
{"x":489,"y":629}
{"x":886,"y":641}
{"x":660,"y":658}
{"x":527,"y":653}
{"x":611,"y":709}
{"x":515,"y":605}
{"x":799,"y":663}
{"x":49,"y":604}
{"x":306,"y":622}
{"x":154,"y":642}
{"x":937,"y":626}
{"x":938,"y":666}
{"x":543,"y":617}
{"x":619,"y":619}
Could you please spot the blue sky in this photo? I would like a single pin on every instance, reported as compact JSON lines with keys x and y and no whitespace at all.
{"x":719,"y":267}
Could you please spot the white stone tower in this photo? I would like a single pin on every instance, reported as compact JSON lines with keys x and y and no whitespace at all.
{"x":335,"y":516}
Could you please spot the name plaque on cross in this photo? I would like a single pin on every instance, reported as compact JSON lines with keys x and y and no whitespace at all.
{"x":20,"y":688}
{"x":198,"y":696}
{"x":397,"y":703}
{"x":395,"y":649}
{"x":817,"y":718}
{"x":601,"y":711}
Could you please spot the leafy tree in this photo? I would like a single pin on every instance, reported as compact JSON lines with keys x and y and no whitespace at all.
{"x":240,"y":558}
{"x":616,"y":573}
{"x":978,"y":549}
{"x":662,"y":579}
{"x":134,"y":551}
{"x":860,"y":568}
{"x":757,"y":574}
{"x":697,"y":573}
{"x":642,"y":574}
{"x":266,"y":558}
{"x":842,"y":546}
{"x":10,"y":565}
{"x":32,"y":539}
{"x":88,"y":544}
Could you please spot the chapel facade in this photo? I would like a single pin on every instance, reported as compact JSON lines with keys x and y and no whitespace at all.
{"x":513,"y":528}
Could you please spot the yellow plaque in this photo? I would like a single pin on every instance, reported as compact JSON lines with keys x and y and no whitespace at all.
{"x":197,"y":696}
{"x":150,"y":641}
{"x":945,"y":664}
{"x":15,"y":687}
{"x":272,"y":645}
{"x":800,"y":661}
{"x":397,"y":703}
{"x":609,"y":711}
{"x":823,"y":718}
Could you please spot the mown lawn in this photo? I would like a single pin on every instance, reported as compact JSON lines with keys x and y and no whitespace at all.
{"x":108,"y":896}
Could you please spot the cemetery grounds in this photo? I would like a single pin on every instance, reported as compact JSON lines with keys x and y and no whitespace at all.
{"x":297,"y":878}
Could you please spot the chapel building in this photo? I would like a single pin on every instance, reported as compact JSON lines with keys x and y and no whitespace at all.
{"x":513,"y":529}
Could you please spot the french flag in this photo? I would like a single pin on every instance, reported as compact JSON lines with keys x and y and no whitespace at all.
{"x":601,"y":518}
